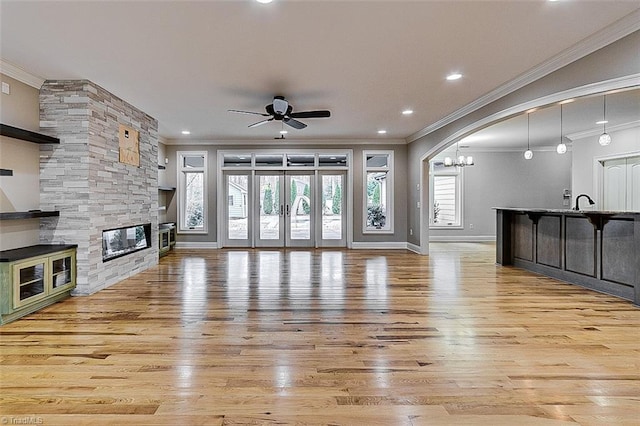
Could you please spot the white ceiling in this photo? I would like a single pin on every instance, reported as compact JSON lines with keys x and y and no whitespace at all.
{"x":185,"y":63}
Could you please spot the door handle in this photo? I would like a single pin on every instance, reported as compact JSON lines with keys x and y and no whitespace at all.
{"x":287,"y":209}
{"x":281,"y":210}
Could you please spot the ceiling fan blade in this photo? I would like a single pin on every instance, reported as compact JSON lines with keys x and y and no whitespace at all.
{"x":260,"y":123}
{"x":311,"y":114}
{"x":248,"y":112}
{"x":294,"y":123}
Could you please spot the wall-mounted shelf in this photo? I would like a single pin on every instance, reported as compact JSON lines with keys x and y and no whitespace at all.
{"x":28,"y":215}
{"x":161,"y":167}
{"x":6,"y":172}
{"x":26,"y":135}
{"x":166,"y":188}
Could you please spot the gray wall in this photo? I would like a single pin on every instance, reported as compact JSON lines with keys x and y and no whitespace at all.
{"x":400,"y":187}
{"x":535,"y":183}
{"x":619,"y":59}
{"x":19,"y":192}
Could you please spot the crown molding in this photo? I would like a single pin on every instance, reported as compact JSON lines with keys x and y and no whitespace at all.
{"x":21,"y":75}
{"x":598,"y":132}
{"x":620,"y":83}
{"x":276,"y":142}
{"x":619,"y":29}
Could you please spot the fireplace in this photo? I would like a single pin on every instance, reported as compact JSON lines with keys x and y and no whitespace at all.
{"x":120,"y":242}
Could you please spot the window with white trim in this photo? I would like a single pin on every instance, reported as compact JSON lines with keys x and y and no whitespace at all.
{"x":378,"y":191}
{"x":445,"y":194}
{"x":192,"y":192}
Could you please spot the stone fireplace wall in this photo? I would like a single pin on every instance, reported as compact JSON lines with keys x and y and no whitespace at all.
{"x":84,"y":179}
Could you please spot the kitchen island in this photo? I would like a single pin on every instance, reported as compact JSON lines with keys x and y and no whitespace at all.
{"x":599,"y":250}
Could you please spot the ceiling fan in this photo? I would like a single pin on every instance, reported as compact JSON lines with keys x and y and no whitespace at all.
{"x":281,"y":110}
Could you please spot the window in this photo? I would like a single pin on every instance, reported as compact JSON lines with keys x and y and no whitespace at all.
{"x":446,"y":198}
{"x":192,"y":190}
{"x":378,"y":191}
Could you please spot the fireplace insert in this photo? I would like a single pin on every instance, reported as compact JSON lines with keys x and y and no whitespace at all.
{"x":120,"y":242}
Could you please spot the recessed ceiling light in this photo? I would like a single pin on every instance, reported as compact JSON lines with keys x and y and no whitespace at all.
{"x":602,"y":122}
{"x":407,"y":112}
{"x":454,"y":76}
{"x":264,"y":1}
{"x":283,"y":132}
{"x":186,"y":132}
{"x":382,"y":132}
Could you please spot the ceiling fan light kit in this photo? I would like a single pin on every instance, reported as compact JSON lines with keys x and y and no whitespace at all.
{"x":281,"y":110}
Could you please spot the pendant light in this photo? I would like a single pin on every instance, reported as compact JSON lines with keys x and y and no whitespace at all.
{"x":528,"y":154}
{"x":604,"y":139}
{"x":562,"y":147}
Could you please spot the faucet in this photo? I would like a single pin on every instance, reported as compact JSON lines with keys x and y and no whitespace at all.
{"x":577,"y":207}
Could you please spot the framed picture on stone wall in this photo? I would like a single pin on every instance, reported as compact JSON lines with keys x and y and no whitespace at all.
{"x":129,"y":145}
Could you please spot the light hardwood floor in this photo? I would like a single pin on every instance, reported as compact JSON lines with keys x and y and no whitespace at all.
{"x":327,"y":337}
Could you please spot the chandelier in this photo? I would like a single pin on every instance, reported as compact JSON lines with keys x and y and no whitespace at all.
{"x":459,"y":160}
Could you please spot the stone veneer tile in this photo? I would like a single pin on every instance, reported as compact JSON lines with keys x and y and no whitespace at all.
{"x":83,"y":178}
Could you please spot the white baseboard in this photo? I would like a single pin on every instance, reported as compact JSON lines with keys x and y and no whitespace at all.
{"x":461,"y":238}
{"x":196,"y":245}
{"x":375,"y":245}
{"x":414,"y":248}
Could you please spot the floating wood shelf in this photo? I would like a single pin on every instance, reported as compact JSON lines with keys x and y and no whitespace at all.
{"x":6,"y":172}
{"x":28,"y":215}
{"x":26,"y":135}
{"x":166,"y":188}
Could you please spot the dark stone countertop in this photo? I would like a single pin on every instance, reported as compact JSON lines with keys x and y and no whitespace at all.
{"x":568,"y":211}
{"x":33,"y":251}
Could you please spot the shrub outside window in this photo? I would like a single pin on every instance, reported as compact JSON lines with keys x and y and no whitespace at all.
{"x":378,"y":191}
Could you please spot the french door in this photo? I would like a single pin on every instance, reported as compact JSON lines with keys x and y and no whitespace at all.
{"x":238,"y":226}
{"x":331,"y":228}
{"x":275,"y":208}
{"x":284,"y":209}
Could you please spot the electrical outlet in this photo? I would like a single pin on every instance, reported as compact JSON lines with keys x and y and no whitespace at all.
{"x":471,"y":226}
{"x":6,"y":89}
{"x":418,"y":204}
{"x":410,"y":231}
